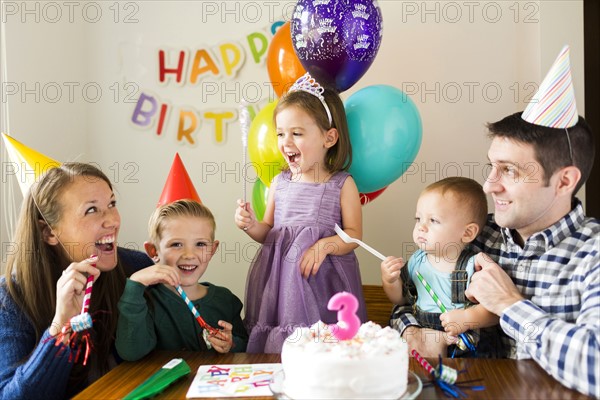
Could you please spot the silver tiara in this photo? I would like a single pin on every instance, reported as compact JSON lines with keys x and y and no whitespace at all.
{"x":308,"y":84}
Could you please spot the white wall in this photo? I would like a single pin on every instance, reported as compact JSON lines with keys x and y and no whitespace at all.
{"x":462,"y":62}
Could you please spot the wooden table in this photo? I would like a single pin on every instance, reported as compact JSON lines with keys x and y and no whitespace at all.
{"x":508,"y":379}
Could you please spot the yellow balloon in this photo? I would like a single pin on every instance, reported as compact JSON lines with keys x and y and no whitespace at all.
{"x":262,"y":145}
{"x":30,"y":163}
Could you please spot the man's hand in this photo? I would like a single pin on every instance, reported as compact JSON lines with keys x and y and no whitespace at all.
{"x":427,"y":342}
{"x":491,"y":287}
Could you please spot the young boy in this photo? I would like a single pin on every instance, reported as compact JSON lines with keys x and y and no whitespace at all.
{"x":152,"y":315}
{"x":450,"y":214}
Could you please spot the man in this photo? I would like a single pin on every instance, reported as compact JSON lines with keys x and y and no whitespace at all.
{"x":539,"y":269}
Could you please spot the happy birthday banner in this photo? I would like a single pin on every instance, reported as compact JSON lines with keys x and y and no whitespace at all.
{"x":184,"y":68}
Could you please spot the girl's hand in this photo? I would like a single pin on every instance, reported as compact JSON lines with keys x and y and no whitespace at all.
{"x":223,"y":341}
{"x":70,"y":289}
{"x":157,"y":273}
{"x":390,"y":269}
{"x":244,"y":216}
{"x":313,"y":257}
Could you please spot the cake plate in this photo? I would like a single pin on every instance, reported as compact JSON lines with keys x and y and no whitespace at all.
{"x":413,"y":387}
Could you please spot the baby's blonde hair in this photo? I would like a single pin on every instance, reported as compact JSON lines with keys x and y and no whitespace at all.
{"x":468,"y":193}
{"x":179,"y":208}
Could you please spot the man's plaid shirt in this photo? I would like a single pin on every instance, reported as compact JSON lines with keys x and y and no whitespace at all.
{"x":558,"y":273}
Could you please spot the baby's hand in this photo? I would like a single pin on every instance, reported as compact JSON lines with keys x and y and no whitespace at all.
{"x":157,"y":273}
{"x":454,"y":323}
{"x":244,"y":216}
{"x":390,"y":269}
{"x":222,"y":341}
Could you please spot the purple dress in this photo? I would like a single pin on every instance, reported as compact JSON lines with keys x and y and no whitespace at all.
{"x":278,"y":298}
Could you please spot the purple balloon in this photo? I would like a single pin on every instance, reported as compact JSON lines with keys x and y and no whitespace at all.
{"x":337,"y":40}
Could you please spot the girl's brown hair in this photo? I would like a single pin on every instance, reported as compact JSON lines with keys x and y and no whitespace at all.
{"x":339,"y":156}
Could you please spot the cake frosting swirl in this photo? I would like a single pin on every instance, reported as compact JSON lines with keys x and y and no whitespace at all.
{"x":373,"y":364}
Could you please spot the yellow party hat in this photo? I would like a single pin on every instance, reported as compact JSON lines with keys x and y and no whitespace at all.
{"x":29,"y":164}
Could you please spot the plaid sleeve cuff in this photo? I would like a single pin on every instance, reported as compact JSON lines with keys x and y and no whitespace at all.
{"x":523,"y":321}
{"x":402,"y":318}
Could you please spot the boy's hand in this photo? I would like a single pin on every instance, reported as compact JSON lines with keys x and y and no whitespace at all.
{"x":222,"y":341}
{"x":244,"y":216}
{"x":157,"y":273}
{"x":390,"y":269}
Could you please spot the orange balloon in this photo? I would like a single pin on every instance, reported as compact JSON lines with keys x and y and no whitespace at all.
{"x":283,"y":64}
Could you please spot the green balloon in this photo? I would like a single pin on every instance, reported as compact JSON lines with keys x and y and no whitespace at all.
{"x":260,"y":193}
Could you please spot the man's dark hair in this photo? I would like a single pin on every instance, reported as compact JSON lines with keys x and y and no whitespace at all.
{"x":551,"y":145}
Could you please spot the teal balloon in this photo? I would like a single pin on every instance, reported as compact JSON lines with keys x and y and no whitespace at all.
{"x":385,"y":133}
{"x":260,"y":193}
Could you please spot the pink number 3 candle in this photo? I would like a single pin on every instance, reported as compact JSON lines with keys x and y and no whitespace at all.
{"x":346,"y":305}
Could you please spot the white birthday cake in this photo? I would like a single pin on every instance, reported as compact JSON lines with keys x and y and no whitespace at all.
{"x":373,"y":364}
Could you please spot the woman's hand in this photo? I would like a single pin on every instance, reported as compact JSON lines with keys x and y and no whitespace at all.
{"x":157,"y":273}
{"x":222,"y":341}
{"x":70,"y":289}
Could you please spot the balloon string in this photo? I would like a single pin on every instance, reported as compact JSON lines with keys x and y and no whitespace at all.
{"x":244,"y":119}
{"x":9,"y":210}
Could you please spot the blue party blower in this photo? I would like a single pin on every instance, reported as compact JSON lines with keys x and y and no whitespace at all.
{"x":170,"y":372}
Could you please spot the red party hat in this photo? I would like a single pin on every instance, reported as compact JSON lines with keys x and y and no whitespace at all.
{"x":179,"y":186}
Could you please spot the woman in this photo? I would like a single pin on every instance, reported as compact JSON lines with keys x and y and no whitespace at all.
{"x":67,"y":229}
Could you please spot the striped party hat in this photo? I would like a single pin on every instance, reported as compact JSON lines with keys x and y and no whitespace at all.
{"x":554,"y":105}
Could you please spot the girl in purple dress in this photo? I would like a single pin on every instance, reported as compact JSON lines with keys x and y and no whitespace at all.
{"x":302,"y":262}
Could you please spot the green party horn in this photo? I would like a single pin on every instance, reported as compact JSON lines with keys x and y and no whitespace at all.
{"x":170,"y":372}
